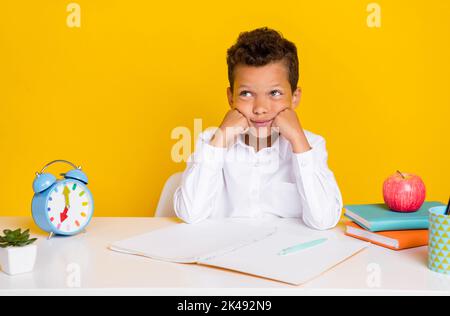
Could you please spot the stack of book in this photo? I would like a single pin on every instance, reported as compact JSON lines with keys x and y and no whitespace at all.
{"x":377,"y":224}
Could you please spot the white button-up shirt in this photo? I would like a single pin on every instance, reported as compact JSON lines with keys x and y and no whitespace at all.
{"x":274,"y":182}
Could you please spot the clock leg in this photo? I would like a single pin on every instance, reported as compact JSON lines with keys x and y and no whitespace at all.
{"x":50,"y":236}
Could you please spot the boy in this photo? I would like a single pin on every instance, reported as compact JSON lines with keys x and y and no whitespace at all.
{"x":260,"y":162}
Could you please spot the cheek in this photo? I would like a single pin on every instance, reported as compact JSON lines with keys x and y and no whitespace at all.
{"x":244,"y":107}
{"x":280,"y":106}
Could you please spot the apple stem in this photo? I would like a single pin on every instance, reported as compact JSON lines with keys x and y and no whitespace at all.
{"x":403,"y":176}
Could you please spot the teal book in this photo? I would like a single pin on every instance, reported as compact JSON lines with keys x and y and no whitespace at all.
{"x":378,"y":217}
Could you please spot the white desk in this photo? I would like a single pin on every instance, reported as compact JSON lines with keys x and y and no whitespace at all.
{"x":83,"y":265}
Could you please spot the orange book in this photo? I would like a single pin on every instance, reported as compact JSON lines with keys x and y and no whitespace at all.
{"x":395,"y":240}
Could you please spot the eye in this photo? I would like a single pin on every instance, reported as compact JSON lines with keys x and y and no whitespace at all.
{"x":275,"y":93}
{"x":245,"y":94}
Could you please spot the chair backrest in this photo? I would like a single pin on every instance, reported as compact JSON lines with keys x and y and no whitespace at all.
{"x":165,"y":205}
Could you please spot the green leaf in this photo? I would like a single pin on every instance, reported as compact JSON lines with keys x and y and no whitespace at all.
{"x":16,"y":238}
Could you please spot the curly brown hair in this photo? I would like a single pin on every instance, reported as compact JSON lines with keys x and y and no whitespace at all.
{"x":261,"y":47}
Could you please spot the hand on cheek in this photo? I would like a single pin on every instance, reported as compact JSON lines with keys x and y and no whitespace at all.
{"x":290,"y":128}
{"x":233,"y":124}
{"x":288,"y":124}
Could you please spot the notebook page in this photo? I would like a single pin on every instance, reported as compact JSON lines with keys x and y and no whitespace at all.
{"x":262,"y":259}
{"x":187,"y":243}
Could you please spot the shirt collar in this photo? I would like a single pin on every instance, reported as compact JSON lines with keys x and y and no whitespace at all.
{"x":280,"y":145}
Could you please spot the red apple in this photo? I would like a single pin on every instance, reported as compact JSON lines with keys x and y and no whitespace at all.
{"x":404,"y":192}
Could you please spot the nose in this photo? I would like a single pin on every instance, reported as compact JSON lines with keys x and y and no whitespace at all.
{"x":261,"y":106}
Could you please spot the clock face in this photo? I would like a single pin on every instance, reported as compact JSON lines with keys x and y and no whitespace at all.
{"x":69,"y":206}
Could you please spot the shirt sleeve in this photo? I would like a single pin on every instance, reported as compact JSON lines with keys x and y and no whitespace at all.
{"x":194,"y":199}
{"x":317,"y":186}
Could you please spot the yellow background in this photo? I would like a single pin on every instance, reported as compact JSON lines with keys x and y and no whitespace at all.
{"x":108,"y":95}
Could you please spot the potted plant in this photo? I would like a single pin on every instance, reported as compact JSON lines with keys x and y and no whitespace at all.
{"x":17,"y":254}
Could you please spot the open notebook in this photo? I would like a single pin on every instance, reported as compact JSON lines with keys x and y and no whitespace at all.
{"x":251,"y":249}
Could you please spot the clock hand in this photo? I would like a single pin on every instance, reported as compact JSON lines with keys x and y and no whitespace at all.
{"x":64,"y":215}
{"x":66,"y":196}
{"x":66,"y":193}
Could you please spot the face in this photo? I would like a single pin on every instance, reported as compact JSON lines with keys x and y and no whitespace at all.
{"x":260,"y":93}
{"x":69,"y":206}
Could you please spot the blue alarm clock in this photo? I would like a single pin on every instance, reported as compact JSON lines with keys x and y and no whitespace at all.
{"x":64,"y":206}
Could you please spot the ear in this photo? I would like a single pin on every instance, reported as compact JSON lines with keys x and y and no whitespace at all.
{"x":296,"y":97}
{"x":230,"y":97}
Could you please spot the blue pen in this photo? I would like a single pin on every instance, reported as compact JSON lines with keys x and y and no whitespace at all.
{"x":447,"y":210}
{"x":302,"y":246}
